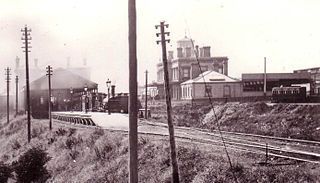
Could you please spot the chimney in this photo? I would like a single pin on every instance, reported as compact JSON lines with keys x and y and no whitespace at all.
{"x":225,"y":67}
{"x":197,"y":51}
{"x":179,"y":52}
{"x":206,"y":51}
{"x":113,"y":94}
{"x":17,"y":62}
{"x":35,"y":62}
{"x":201,"y":52}
{"x":68,"y":62}
{"x":170,"y":57}
{"x":84,"y":62}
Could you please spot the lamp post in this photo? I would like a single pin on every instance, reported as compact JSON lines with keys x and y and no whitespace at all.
{"x":85,"y":98}
{"x":108,"y":86}
{"x":71,"y":100}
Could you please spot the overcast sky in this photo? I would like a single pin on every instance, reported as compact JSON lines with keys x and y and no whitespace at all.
{"x":287,"y":32}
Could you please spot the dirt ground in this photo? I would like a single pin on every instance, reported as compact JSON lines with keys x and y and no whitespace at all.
{"x":282,"y":120}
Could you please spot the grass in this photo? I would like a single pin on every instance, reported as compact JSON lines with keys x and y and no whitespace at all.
{"x":95,"y":155}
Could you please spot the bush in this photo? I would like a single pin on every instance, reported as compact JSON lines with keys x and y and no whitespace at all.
{"x":31,"y":166}
{"x":61,"y":132}
{"x":5,"y":172}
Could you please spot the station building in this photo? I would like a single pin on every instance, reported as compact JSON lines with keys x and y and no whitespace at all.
{"x":69,"y":92}
{"x":185,"y":66}
{"x":211,"y":83}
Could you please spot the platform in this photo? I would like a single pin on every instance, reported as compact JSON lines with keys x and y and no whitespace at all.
{"x":101,"y":119}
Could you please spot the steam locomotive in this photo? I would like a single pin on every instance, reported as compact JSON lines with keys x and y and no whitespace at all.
{"x":119,"y":103}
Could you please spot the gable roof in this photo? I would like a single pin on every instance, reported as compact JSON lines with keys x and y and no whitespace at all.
{"x":211,"y":77}
{"x":62,"y":79}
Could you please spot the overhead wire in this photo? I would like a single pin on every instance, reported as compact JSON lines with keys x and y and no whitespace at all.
{"x":211,"y":101}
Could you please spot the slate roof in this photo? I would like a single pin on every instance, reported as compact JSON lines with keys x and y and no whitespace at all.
{"x":211,"y":77}
{"x":62,"y":79}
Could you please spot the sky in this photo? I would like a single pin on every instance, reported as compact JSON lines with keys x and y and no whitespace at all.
{"x":286,"y":32}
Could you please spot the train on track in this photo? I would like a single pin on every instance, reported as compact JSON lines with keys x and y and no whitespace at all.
{"x":119,"y":103}
{"x":288,"y":94}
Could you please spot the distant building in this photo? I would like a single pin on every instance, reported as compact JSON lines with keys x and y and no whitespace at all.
{"x":185,"y":66}
{"x":69,"y":92}
{"x":35,"y":72}
{"x":315,"y":76}
{"x":210,"y":83}
{"x":253,"y":84}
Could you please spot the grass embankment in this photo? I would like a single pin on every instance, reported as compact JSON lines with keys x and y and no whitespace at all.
{"x":282,"y":120}
{"x":95,"y":155}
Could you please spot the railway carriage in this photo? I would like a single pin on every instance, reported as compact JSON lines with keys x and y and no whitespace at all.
{"x":289,"y":94}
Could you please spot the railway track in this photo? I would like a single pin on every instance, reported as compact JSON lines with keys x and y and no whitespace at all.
{"x":294,"y":149}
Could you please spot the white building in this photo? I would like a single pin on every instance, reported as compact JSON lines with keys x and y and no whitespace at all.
{"x":211,"y":83}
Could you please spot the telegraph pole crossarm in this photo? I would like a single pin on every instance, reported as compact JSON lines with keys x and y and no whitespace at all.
{"x":49,"y":73}
{"x":175,"y":169}
{"x":26,"y":38}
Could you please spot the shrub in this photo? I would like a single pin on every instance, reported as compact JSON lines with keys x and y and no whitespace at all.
{"x":72,"y":131}
{"x":31,"y":166}
{"x":5,"y":172}
{"x":61,"y":132}
{"x":15,"y":145}
{"x":71,"y":142}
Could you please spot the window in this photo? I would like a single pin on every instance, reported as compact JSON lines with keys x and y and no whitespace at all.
{"x":186,"y":73}
{"x":175,"y":73}
{"x":208,"y":91}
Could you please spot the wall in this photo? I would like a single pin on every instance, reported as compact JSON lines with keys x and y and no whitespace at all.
{"x":217,"y":90}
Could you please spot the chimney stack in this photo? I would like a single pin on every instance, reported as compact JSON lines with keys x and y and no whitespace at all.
{"x":84,"y":62}
{"x":17,"y":62}
{"x":68,"y":62}
{"x":113,"y":92}
{"x":35,"y":62}
{"x":206,"y":51}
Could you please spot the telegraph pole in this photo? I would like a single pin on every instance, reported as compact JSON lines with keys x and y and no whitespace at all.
{"x":26,"y":38}
{"x":8,"y":82}
{"x":49,"y":73}
{"x":133,"y":107}
{"x":146,"y":99}
{"x":17,"y":94}
{"x":175,"y":169}
{"x":265,"y":78}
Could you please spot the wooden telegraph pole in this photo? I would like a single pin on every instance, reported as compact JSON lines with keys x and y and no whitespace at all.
{"x":26,"y":39}
{"x":146,"y":99}
{"x":17,"y":94}
{"x":8,"y":83}
{"x":133,"y":107}
{"x":175,"y":169}
{"x":265,"y":78}
{"x":49,"y":73}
